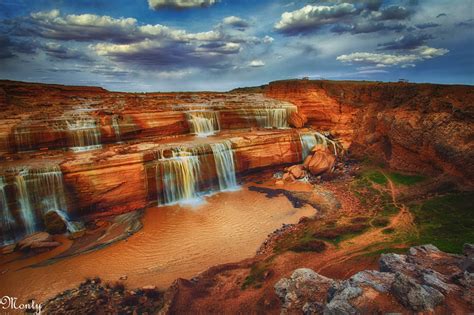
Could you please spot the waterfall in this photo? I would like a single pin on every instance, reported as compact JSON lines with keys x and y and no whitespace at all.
{"x":179,"y":175}
{"x":71,"y":226}
{"x":48,"y":188}
{"x":274,"y":117}
{"x":39,"y":191}
{"x":85,"y":134}
{"x":116,"y":126}
{"x":203,"y":123}
{"x":7,"y":220}
{"x":225,"y":167}
{"x":26,"y":211}
{"x":184,"y":175}
{"x":310,"y":139}
{"x":23,"y":139}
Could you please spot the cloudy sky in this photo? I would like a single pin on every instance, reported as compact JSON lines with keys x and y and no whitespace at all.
{"x":162,"y":45}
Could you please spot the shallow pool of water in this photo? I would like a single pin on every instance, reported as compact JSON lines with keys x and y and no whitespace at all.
{"x":176,"y":241}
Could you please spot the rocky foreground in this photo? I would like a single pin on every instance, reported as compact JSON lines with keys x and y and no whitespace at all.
{"x":425,"y":279}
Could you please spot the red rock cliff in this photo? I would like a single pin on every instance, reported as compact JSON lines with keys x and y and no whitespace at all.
{"x":413,"y":127}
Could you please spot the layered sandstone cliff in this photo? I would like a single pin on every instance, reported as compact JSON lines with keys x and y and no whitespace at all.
{"x":45,"y":129}
{"x":413,"y":127}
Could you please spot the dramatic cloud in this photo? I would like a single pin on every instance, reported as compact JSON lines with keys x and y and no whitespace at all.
{"x":61,"y":52}
{"x":386,"y":60}
{"x":409,"y":41}
{"x":122,"y":46}
{"x":168,"y":54}
{"x":355,"y":17}
{"x":391,"y":13}
{"x":124,"y":40}
{"x":179,"y":4}
{"x":257,"y":63}
{"x":236,"y":22}
{"x":90,"y":27}
{"x":83,"y":27}
{"x":312,"y":17}
{"x":5,"y":47}
{"x":367,"y":27}
{"x":9,"y":48}
{"x":467,"y":23}
{"x":427,"y":25}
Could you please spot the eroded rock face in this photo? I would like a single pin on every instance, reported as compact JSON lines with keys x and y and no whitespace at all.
{"x":420,"y":281}
{"x":412,"y":127}
{"x":297,"y":120}
{"x":414,"y":296}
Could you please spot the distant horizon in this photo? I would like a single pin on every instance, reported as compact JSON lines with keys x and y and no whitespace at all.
{"x":239,"y":87}
{"x":219,"y":45}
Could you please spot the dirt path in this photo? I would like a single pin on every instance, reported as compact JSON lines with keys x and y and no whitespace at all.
{"x":359,"y":245}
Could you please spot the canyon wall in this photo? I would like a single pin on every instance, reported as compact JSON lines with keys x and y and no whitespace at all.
{"x":426,"y":128}
{"x":118,"y":152}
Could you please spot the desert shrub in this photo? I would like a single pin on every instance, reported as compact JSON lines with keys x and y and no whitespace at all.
{"x":380,"y":222}
{"x":310,"y":246}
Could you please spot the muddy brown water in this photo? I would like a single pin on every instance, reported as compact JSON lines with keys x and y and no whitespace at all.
{"x":176,"y":241}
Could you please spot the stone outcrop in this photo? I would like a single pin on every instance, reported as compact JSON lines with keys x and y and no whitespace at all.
{"x":53,"y":223}
{"x":303,"y":290}
{"x":297,"y":120}
{"x":37,"y":242}
{"x":95,"y":297}
{"x":411,"y":127}
{"x":423,"y":280}
{"x":321,"y":160}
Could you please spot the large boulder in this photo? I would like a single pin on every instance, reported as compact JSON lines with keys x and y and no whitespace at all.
{"x":297,"y":171}
{"x":37,"y":242}
{"x":424,"y":280}
{"x":54,"y":223}
{"x":303,"y":291}
{"x":415,"y":296}
{"x":360,"y":294}
{"x":322,"y":160}
{"x":297,"y":120}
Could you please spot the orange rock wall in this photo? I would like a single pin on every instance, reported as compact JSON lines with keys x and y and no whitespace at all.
{"x":412,"y":127}
{"x":116,"y":183}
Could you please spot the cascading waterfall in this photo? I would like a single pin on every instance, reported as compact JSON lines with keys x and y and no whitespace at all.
{"x":179,"y":172}
{"x":7,"y":220}
{"x":116,"y":126}
{"x":274,"y":117}
{"x":24,"y":203}
{"x":310,"y":139}
{"x":23,"y":139}
{"x":203,"y":123}
{"x":225,"y":166}
{"x":48,"y":188}
{"x":39,"y":191}
{"x":85,"y":134}
{"x":71,"y":226}
{"x":179,"y":175}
